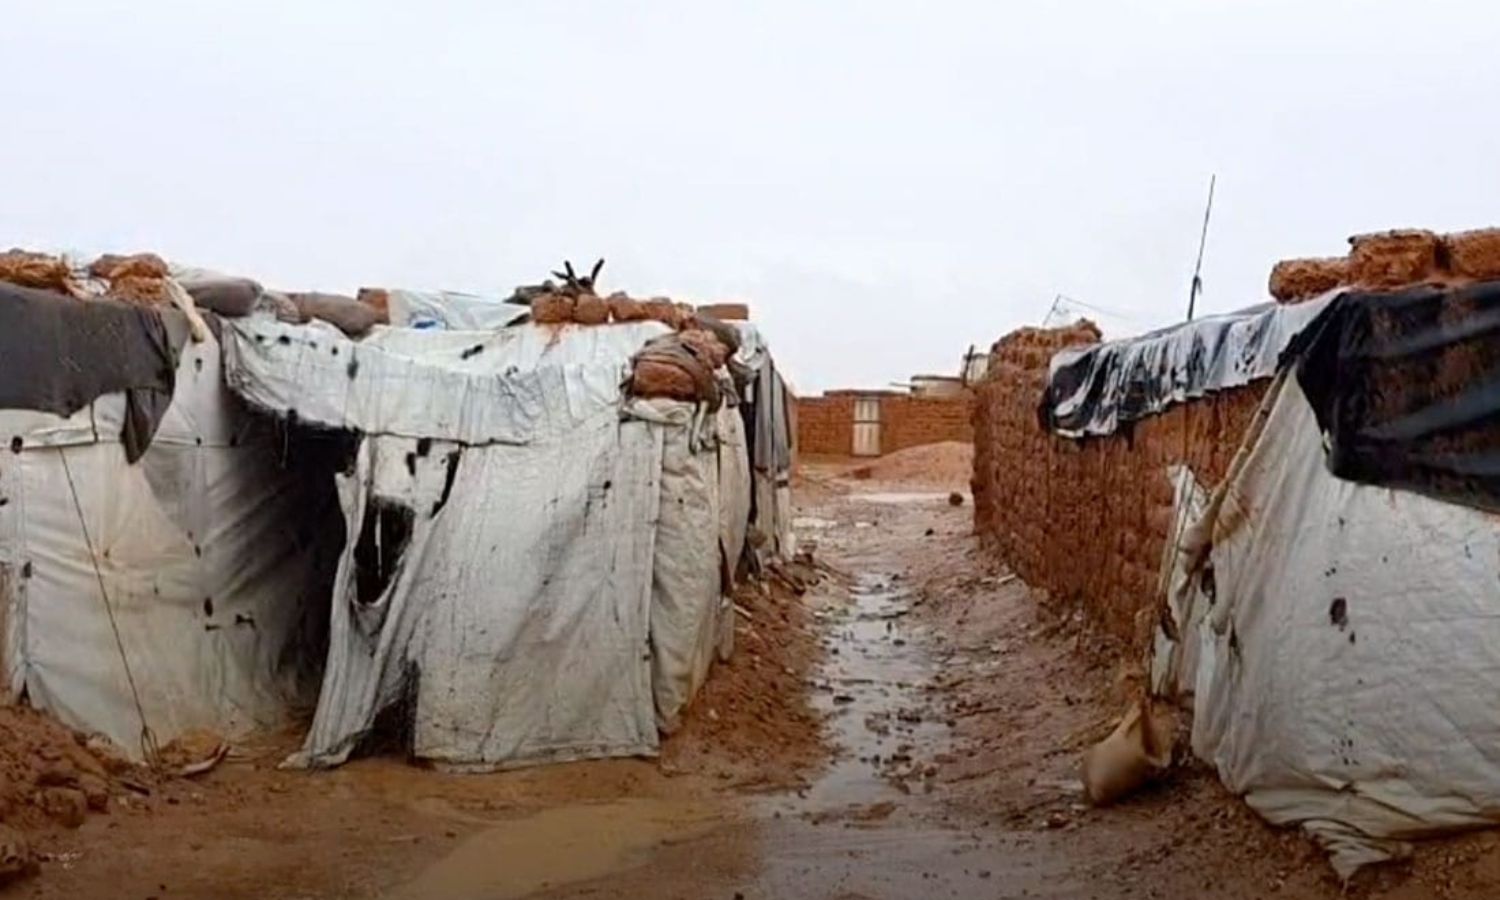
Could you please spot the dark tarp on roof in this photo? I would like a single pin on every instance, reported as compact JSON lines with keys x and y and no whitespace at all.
{"x":1099,"y":389}
{"x":1406,"y":387}
{"x":59,"y":354}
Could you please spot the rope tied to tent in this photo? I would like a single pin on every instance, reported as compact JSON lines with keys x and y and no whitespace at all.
{"x":149,"y":748}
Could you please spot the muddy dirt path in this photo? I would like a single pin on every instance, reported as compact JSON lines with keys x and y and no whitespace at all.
{"x":957,"y":707}
{"x":874,"y":821}
{"x":952,"y":709}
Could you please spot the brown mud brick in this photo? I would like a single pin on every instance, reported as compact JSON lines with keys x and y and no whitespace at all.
{"x":113,"y":265}
{"x":1301,"y":279}
{"x":1392,"y":259}
{"x":551,"y":309}
{"x":660,"y":309}
{"x":37,"y":270}
{"x":726,"y":312}
{"x":142,"y":290}
{"x":624,"y":309}
{"x":590,"y":309}
{"x":1473,"y":254}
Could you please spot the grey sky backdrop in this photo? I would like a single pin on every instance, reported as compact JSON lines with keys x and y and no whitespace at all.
{"x":886,"y":183}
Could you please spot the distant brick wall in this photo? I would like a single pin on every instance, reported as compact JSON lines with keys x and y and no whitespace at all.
{"x":911,"y":421}
{"x":825,"y":425}
{"x":1087,"y":520}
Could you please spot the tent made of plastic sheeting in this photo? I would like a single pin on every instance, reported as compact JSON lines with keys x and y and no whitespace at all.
{"x":1348,"y":645}
{"x":192,"y":579}
{"x":535,"y":564}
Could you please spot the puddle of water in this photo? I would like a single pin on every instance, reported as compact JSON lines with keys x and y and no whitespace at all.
{"x":907,"y":497}
{"x":856,"y":832}
{"x":559,"y":846}
{"x":812,"y":523}
{"x":869,"y":687}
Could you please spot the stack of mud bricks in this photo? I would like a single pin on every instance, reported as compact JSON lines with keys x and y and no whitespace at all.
{"x":1087,"y":520}
{"x":1013,"y":453}
{"x":1392,"y":259}
{"x":825,"y":425}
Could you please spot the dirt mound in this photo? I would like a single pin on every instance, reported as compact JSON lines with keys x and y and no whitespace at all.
{"x":42,"y":761}
{"x":948,"y":464}
{"x":751,"y":724}
{"x":48,"y":778}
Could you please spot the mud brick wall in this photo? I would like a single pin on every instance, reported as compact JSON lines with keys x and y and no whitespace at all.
{"x":1088,"y":520}
{"x":912,"y":421}
{"x":825,"y":425}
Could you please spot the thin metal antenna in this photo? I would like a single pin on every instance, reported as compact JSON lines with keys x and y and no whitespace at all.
{"x":1197,"y":286}
{"x":1047,"y":319}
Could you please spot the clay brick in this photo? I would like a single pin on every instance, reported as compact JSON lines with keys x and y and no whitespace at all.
{"x":726,"y":312}
{"x":1300,"y":279}
{"x":1473,"y":254}
{"x":1392,"y":259}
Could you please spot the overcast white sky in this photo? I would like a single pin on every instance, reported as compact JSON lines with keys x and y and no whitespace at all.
{"x":886,"y":183}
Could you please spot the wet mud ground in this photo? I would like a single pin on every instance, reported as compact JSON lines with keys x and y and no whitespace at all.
{"x":910,"y":729}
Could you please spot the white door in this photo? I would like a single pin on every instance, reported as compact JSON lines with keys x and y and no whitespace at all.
{"x":867,"y":426}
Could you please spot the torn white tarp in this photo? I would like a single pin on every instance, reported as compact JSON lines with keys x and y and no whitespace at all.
{"x":1349,"y":646}
{"x":471,"y":387}
{"x":544,"y":597}
{"x":209,"y":553}
{"x":506,"y":601}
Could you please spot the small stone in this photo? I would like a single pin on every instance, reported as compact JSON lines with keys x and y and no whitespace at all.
{"x":95,"y":791}
{"x":68,"y":806}
{"x":16,"y":859}
{"x":58,"y":773}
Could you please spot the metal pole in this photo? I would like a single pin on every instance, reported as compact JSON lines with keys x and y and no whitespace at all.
{"x":1197,"y":286}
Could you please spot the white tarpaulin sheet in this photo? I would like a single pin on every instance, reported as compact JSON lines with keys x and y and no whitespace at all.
{"x":465,"y":386}
{"x":516,"y":617}
{"x":1350,"y":647}
{"x":207,"y":550}
{"x":451,"y":310}
{"x":538,"y":574}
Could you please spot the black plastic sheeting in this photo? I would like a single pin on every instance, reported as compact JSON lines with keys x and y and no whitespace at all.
{"x":59,"y":354}
{"x":1406,"y":387}
{"x":1100,"y":389}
